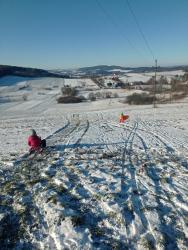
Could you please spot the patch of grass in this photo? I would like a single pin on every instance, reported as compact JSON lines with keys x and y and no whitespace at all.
{"x":108,"y":155}
{"x":69,"y":99}
{"x":117,"y":245}
{"x":140,"y":99}
{"x":147,"y":244}
{"x":77,"y":220}
{"x":98,"y":197}
{"x":164,"y":180}
{"x":148,"y":208}
{"x":112,"y":214}
{"x":21,"y":211}
{"x":8,"y":187}
{"x":47,"y":88}
{"x":97,"y":231}
{"x":161,"y":242}
{"x":53,"y":199}
{"x":5,"y":202}
{"x":61,"y":189}
{"x":34,"y":181}
{"x":11,"y":230}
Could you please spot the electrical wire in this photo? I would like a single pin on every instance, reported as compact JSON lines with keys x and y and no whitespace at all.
{"x":147,"y":46}
{"x":117,"y":26}
{"x":140,"y":29}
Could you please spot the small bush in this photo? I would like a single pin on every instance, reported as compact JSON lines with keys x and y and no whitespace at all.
{"x":23,"y":87}
{"x":69,"y":99}
{"x":68,"y":91}
{"x":185,"y":77}
{"x":92,"y":97}
{"x":98,"y":95}
{"x":109,"y":84}
{"x":107,"y":95}
{"x":82,"y":98}
{"x":25,"y":97}
{"x":83,"y":84}
{"x":150,"y":81}
{"x":177,"y":86}
{"x":47,"y":88}
{"x":178,"y":96}
{"x":139,"y":99}
{"x":116,"y":95}
{"x":98,"y":81}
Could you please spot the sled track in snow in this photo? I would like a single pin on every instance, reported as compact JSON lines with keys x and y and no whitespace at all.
{"x":85,"y":129}
{"x":23,"y":215}
{"x":163,"y":135}
{"x":159,"y":192}
{"x":62,"y":134}
{"x":136,"y":200}
{"x":171,"y":151}
{"x":170,"y":231}
{"x":129,"y":187}
{"x":83,"y":189}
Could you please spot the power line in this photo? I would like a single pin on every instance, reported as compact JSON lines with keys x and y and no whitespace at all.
{"x":116,"y":26}
{"x":142,"y":34}
{"x":140,"y":29}
{"x":155,"y":85}
{"x":148,"y":47}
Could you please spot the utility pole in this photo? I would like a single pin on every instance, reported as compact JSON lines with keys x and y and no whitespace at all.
{"x":155,"y":84}
{"x":171,"y":91}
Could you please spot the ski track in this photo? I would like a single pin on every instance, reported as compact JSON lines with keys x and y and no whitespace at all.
{"x":137,"y":202}
{"x":124,"y":194}
{"x":107,"y":193}
{"x":153,"y":175}
{"x":169,"y":239}
{"x":169,"y":231}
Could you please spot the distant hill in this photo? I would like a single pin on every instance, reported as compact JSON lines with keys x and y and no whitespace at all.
{"x":7,"y":70}
{"x":105,"y":69}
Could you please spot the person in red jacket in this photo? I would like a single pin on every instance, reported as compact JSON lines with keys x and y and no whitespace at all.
{"x":123,"y":118}
{"x":35,"y":142}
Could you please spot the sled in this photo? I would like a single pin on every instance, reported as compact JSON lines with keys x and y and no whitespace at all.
{"x":123,"y":118}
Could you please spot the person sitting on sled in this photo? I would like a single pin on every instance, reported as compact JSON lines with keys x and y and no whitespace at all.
{"x":123,"y":118}
{"x":35,"y":142}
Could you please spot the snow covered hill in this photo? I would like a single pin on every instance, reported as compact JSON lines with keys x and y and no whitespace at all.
{"x":99,"y":184}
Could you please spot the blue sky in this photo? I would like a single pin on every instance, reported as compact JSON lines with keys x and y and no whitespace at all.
{"x":76,"y":33}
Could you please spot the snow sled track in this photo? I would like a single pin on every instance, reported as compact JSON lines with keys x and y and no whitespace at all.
{"x":21,"y":185}
{"x":99,"y":186}
{"x":142,"y":181}
{"x":129,"y":192}
{"x":162,"y":190}
{"x":170,"y":231}
{"x":60,"y":136}
{"x":129,"y":182}
{"x":86,"y":127}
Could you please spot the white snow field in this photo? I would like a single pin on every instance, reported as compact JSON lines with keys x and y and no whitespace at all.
{"x":144,"y":77}
{"x":99,"y":184}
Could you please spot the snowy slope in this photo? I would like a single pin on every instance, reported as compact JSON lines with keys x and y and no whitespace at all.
{"x":144,"y":77}
{"x":99,"y":184}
